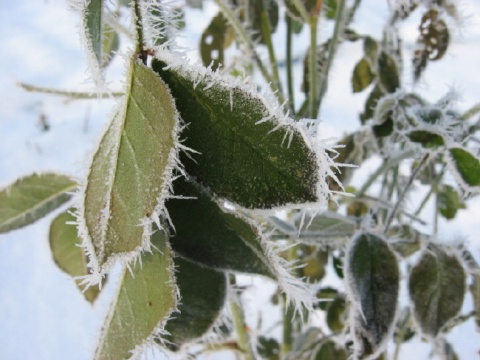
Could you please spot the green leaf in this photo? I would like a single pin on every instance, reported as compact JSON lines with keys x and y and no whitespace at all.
{"x":371,"y":103}
{"x":362,"y":76}
{"x":330,"y":351}
{"x":388,"y":73}
{"x":31,"y":198}
{"x":110,"y":44}
{"x":449,"y":201}
{"x":437,"y":289}
{"x":202,"y":292}
{"x":255,"y":17}
{"x":145,"y":300}
{"x":209,"y":236}
{"x":131,"y":170}
{"x":307,"y":5}
{"x":336,"y":314}
{"x":325,"y":297}
{"x":215,"y":39}
{"x":93,"y":27}
{"x":331,"y":9}
{"x":466,"y":166}
{"x":426,"y":138}
{"x":67,"y":253}
{"x":370,"y":48}
{"x":247,"y":153}
{"x":268,"y":348}
{"x":406,"y":240}
{"x":373,"y":282}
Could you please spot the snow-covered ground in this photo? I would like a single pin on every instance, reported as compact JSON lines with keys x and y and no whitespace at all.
{"x":42,"y":314}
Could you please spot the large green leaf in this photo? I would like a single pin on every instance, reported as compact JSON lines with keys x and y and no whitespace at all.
{"x":131,"y":169}
{"x":466,"y":166}
{"x":373,"y":281}
{"x":31,"y":198}
{"x":209,"y":236}
{"x":247,"y":153}
{"x":437,"y":289}
{"x":67,"y":253}
{"x":145,"y":300}
{"x":202,"y":292}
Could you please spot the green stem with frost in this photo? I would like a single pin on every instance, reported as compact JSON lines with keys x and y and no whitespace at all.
{"x":240,"y":326}
{"x":75,"y":95}
{"x":289,"y":64}
{"x":313,"y":65}
{"x":139,"y":30}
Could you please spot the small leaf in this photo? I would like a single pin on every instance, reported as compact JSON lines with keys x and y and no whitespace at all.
{"x":370,"y":48}
{"x":371,"y":103}
{"x":31,"y":198}
{"x":406,"y":240}
{"x":131,"y":170}
{"x":331,"y":9}
{"x":437,"y":289}
{"x":362,"y":76}
{"x":308,"y":6}
{"x":209,"y":236}
{"x":202,"y":292}
{"x":93,"y":20}
{"x":215,"y":39}
{"x":449,"y":201}
{"x":466,"y":166}
{"x":373,"y":281}
{"x":110,"y":45}
{"x":384,"y":129}
{"x":314,"y":269}
{"x":268,"y":348}
{"x":248,"y":154}
{"x":336,"y":315}
{"x":330,"y":351}
{"x":67,"y":253}
{"x":145,"y":300}
{"x":426,"y":138}
{"x":271,"y":11}
{"x":388,"y":73}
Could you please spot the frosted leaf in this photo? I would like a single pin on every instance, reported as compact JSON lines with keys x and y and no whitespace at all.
{"x":131,"y":172}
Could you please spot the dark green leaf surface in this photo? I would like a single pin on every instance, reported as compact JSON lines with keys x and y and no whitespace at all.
{"x":388,"y":73}
{"x":362,"y":75}
{"x":132,"y":166}
{"x":449,"y":201}
{"x":466,"y":166}
{"x":146,"y":298}
{"x":373,"y":278}
{"x":93,"y":27}
{"x":215,"y":39}
{"x":31,"y":198}
{"x":209,"y":236}
{"x":437,"y":288}
{"x":426,"y":138}
{"x":67,"y":253}
{"x":241,"y":158}
{"x":336,"y":314}
{"x":202,"y":292}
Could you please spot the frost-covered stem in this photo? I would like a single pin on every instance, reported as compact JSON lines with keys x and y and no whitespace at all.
{"x":391,"y":216}
{"x":267,"y":36}
{"x":433,"y":188}
{"x":312,"y":79}
{"x":288,"y":56}
{"x":332,"y":48}
{"x":470,"y":113}
{"x":288,"y":321}
{"x":139,"y":31}
{"x":382,"y":168}
{"x":240,"y":326}
{"x":302,"y":10}
{"x":75,"y":95}
{"x":240,"y":31}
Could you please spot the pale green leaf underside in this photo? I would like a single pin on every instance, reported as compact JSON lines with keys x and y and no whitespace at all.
{"x":132,"y":166}
{"x":144,"y":302}
{"x":67,"y":253}
{"x":93,"y":22}
{"x":32,"y":197}
{"x":437,"y":289}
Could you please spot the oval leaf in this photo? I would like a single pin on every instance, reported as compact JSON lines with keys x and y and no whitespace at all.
{"x":388,"y":73}
{"x":31,"y":198}
{"x":131,"y":170}
{"x":373,"y":282}
{"x":203,"y":292}
{"x":145,"y":300}
{"x":437,"y":288}
{"x":466,"y":166}
{"x":215,"y":39}
{"x":207,"y":235}
{"x":426,"y":138}
{"x":248,"y":154}
{"x":67,"y":253}
{"x":362,"y":75}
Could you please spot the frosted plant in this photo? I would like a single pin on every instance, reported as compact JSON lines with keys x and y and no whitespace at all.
{"x":203,"y":175}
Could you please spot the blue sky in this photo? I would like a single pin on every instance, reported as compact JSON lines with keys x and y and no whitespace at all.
{"x":42,"y":314}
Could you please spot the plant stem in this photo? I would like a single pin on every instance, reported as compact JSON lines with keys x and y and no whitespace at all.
{"x":313,"y":65}
{"x":289,"y":317}
{"x":339,"y":23}
{"x":391,"y":216}
{"x":240,"y":326}
{"x":289,"y":63}
{"x":470,"y":113}
{"x":267,"y":36}
{"x":382,"y":168}
{"x":240,"y":31}
{"x":139,"y":30}
{"x":76,"y":95}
